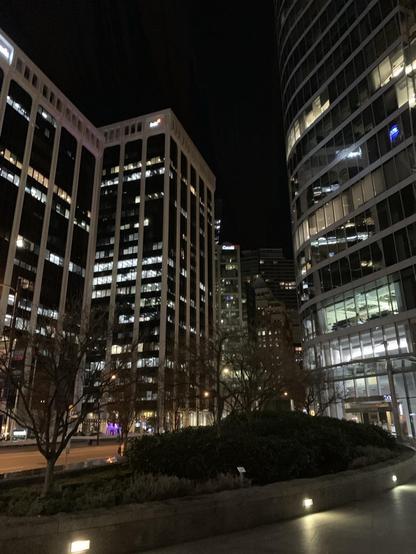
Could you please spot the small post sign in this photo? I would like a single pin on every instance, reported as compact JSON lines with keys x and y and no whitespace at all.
{"x":241,"y":470}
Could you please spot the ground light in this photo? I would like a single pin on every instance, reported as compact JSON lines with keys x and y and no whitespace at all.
{"x":79,"y":546}
{"x":307,"y":503}
{"x":394,"y":478}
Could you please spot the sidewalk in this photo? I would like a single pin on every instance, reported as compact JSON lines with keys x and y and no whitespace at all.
{"x":384,"y":524}
{"x":79,"y":439}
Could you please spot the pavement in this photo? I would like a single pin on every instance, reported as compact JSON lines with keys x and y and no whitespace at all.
{"x":384,"y":524}
{"x":27,"y":457}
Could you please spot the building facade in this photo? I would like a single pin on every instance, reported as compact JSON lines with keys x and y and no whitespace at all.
{"x":348,"y":92}
{"x":229,"y":294}
{"x":154,"y":267}
{"x":49,"y":159}
{"x":278,"y":273}
{"x":120,"y":216}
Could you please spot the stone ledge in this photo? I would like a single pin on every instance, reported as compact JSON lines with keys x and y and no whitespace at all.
{"x":138,"y":527}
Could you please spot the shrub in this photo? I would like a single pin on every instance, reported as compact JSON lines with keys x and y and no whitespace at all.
{"x":127,"y":489}
{"x":271,"y":446}
{"x":367,"y":455}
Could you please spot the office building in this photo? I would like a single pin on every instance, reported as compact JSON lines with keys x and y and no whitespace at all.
{"x":229,"y":293}
{"x":278,"y":274}
{"x":348,"y":91}
{"x":154,"y":267}
{"x":269,"y":322}
{"x":49,"y":178}
{"x":277,"y":271}
{"x":141,"y":190}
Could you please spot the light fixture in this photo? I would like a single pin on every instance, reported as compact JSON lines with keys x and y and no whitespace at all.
{"x":394,"y":478}
{"x":206,"y":394}
{"x":20,"y":242}
{"x":307,"y":503}
{"x":79,"y":546}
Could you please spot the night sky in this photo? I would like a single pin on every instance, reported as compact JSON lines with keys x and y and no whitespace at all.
{"x":213,"y":62}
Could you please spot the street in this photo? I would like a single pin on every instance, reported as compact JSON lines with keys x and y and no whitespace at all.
{"x":27,"y":457}
{"x":384,"y":524}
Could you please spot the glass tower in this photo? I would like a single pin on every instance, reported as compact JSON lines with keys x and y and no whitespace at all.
{"x":348,"y":72}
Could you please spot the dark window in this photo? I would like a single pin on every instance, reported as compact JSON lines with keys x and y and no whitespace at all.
{"x":389,"y":250}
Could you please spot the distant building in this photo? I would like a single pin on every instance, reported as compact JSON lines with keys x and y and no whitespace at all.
{"x":268,"y":320}
{"x":278,"y":274}
{"x":218,"y":219}
{"x":229,"y":292}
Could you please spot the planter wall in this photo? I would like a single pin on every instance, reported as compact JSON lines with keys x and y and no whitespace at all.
{"x":134,"y":528}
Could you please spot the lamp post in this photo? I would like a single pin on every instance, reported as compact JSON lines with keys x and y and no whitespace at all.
{"x":394,"y":404}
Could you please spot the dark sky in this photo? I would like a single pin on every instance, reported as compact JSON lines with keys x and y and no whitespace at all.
{"x":212,"y":61}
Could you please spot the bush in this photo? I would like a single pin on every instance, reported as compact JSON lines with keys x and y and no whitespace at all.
{"x":132,"y":488}
{"x":270,"y":446}
{"x":367,"y":455}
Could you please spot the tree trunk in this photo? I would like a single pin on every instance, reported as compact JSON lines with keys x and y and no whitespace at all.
{"x":49,"y":477}
{"x":124,"y":440}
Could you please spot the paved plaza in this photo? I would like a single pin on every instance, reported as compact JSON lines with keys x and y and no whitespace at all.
{"x":384,"y":524}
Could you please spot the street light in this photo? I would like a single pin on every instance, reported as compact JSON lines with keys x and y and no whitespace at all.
{"x":394,"y":404}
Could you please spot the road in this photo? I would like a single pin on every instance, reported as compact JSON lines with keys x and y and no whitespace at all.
{"x":27,"y":457}
{"x":384,"y":524}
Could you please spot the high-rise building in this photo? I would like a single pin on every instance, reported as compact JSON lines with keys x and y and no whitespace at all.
{"x":140,"y":189}
{"x":229,"y":293}
{"x":154,"y":268}
{"x":278,"y":273}
{"x":49,"y":160}
{"x":349,"y":109}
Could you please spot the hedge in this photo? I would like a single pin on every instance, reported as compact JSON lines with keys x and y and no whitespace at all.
{"x":270,"y":446}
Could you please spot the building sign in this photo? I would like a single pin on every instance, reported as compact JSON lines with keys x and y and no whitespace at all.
{"x":6,"y":49}
{"x":226,"y":247}
{"x":394,"y":132}
{"x":155,"y":123}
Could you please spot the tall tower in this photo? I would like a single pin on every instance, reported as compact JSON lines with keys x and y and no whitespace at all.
{"x":49,"y":181}
{"x":348,"y":95}
{"x":229,"y":293}
{"x":154,"y":268}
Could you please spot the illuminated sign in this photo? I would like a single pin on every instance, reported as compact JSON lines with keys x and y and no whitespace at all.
{"x":155,"y":123}
{"x":6,"y":49}
{"x":394,"y":132}
{"x":228,"y":247}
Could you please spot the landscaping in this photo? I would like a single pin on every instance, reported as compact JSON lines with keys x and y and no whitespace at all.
{"x":270,"y":446}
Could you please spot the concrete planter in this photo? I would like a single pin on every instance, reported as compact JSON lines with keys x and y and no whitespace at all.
{"x":134,"y":528}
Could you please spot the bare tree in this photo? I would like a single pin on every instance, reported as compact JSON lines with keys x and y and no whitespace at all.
{"x":320,"y":391}
{"x":54,"y":392}
{"x":122,"y":394}
{"x":253,"y":379}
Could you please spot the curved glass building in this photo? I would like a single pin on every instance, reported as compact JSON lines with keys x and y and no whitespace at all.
{"x":348,"y":71}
